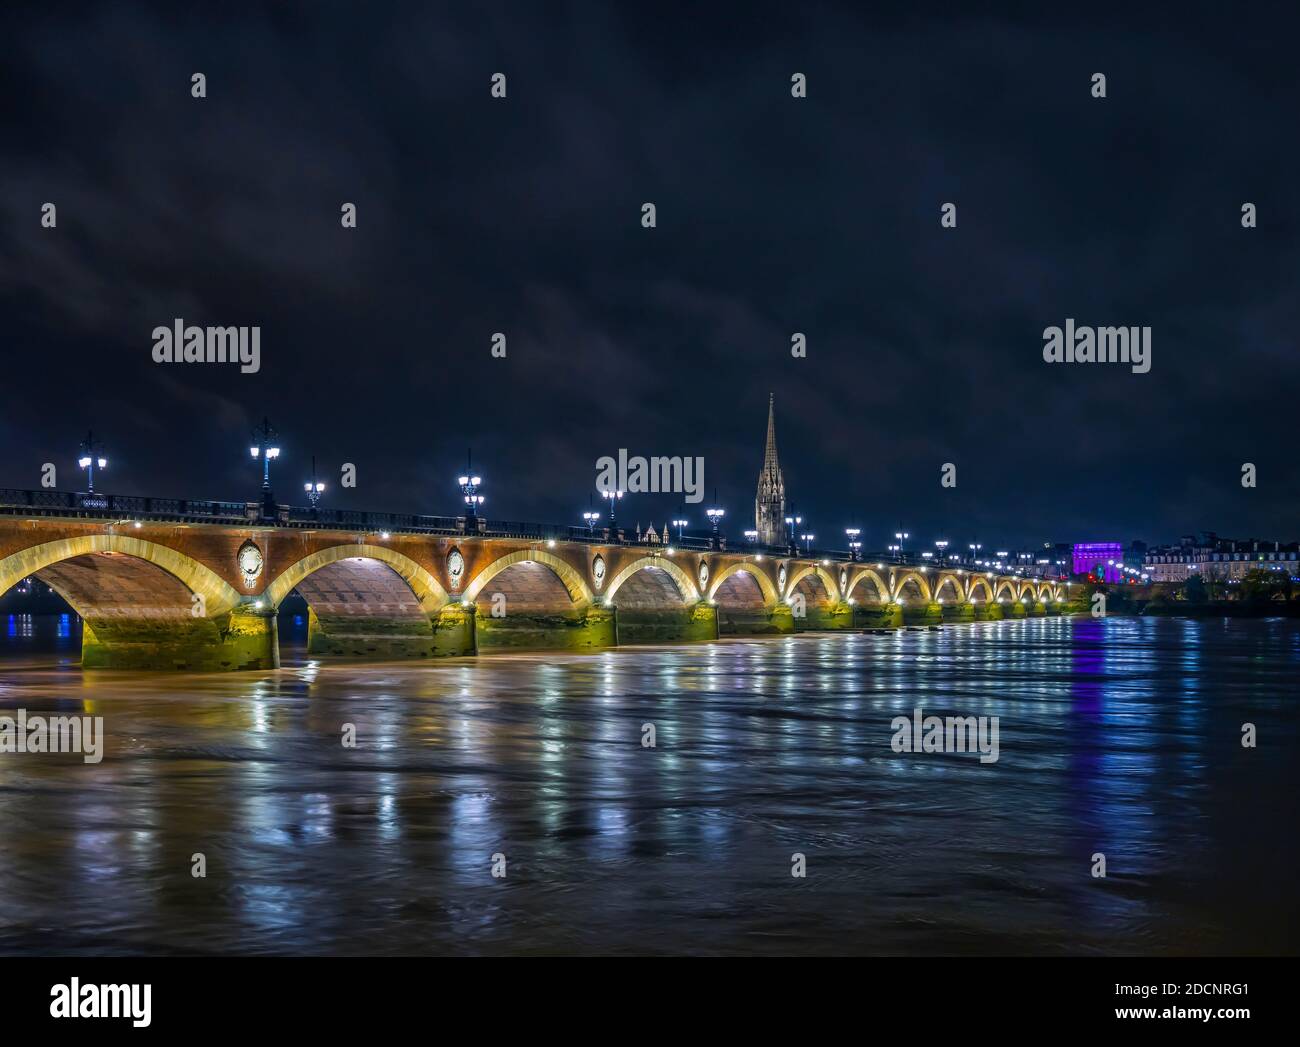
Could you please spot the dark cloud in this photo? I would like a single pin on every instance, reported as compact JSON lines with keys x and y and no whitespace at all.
{"x":775,"y":216}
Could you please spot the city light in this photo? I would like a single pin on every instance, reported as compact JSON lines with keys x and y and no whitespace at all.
{"x":91,"y":458}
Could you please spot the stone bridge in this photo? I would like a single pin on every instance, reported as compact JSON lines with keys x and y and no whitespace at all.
{"x":187,"y":593}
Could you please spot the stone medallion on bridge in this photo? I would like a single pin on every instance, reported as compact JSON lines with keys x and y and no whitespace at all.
{"x":780,"y":578}
{"x":598,"y":570}
{"x":704,"y":575}
{"x":250,"y":562}
{"x":844,"y":580}
{"x":455,"y":568}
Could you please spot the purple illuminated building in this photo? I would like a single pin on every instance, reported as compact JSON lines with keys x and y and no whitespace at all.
{"x":1092,"y":557}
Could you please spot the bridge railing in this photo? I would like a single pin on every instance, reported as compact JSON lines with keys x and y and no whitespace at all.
{"x":14,"y":502}
{"x":65,"y":503}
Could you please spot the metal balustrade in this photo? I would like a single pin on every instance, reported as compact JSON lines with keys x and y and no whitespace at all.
{"x":130,"y":508}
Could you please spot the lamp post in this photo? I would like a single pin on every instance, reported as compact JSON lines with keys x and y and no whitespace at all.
{"x":715,"y":517}
{"x":611,"y":529}
{"x":807,"y":542}
{"x":854,"y":544}
{"x":314,"y":488}
{"x":679,"y":524}
{"x":941,"y":544}
{"x":590,"y":518}
{"x":791,"y":522}
{"x":469,"y":485}
{"x":900,"y":535}
{"x":91,"y":456}
{"x":751,"y":537}
{"x":613,"y":497}
{"x":265,"y":447}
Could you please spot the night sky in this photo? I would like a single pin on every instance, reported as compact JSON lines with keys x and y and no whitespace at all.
{"x":775,"y":215}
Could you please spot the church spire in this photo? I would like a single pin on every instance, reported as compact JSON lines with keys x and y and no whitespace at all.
{"x":770,"y":462}
{"x":769,"y":503}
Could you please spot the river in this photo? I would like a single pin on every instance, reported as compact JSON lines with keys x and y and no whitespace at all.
{"x":1119,"y":737}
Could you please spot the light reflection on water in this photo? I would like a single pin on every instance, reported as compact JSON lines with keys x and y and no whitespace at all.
{"x":1120,"y":736}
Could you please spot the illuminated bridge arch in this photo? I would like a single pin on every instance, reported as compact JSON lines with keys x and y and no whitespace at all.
{"x":1005,"y":588}
{"x":423,"y":585}
{"x":1028,"y":589}
{"x":88,"y":581}
{"x":949,"y":583}
{"x":816,"y":571}
{"x":770,"y":596}
{"x":874,"y":580}
{"x":578,"y":590}
{"x":685,"y":584}
{"x":919,"y":579}
{"x":979,"y":581}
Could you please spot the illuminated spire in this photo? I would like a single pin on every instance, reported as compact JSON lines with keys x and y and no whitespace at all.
{"x":769,"y":504}
{"x":770,"y":463}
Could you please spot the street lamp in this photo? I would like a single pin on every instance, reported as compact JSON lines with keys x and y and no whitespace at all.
{"x":590,"y":518}
{"x":265,"y":447}
{"x":751,"y":537}
{"x":854,"y":544}
{"x":469,"y":485}
{"x":613,"y":497}
{"x":715,"y":516}
{"x":900,"y":535}
{"x":679,"y":524}
{"x":791,"y":522}
{"x":807,"y":541}
{"x":314,"y":488}
{"x":941,"y":544}
{"x":91,"y":456}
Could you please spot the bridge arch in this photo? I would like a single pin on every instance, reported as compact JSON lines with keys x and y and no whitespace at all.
{"x":219,"y":596}
{"x":916,"y":577}
{"x":685,"y":584}
{"x":817,"y":571}
{"x":569,"y":576}
{"x":423,"y":585}
{"x":770,"y":595}
{"x":1005,"y":588}
{"x":948,"y":582}
{"x":877,"y":583}
{"x":979,"y":582}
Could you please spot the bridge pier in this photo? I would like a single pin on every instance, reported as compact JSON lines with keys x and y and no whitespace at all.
{"x":241,"y":639}
{"x":582,"y":629}
{"x":697,"y":622}
{"x":836,"y":616}
{"x":922,"y":614}
{"x":748,"y":621}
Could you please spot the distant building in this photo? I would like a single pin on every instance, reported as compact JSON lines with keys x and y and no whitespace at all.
{"x":1103,"y":559}
{"x":769,"y":503}
{"x":1219,"y":559}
